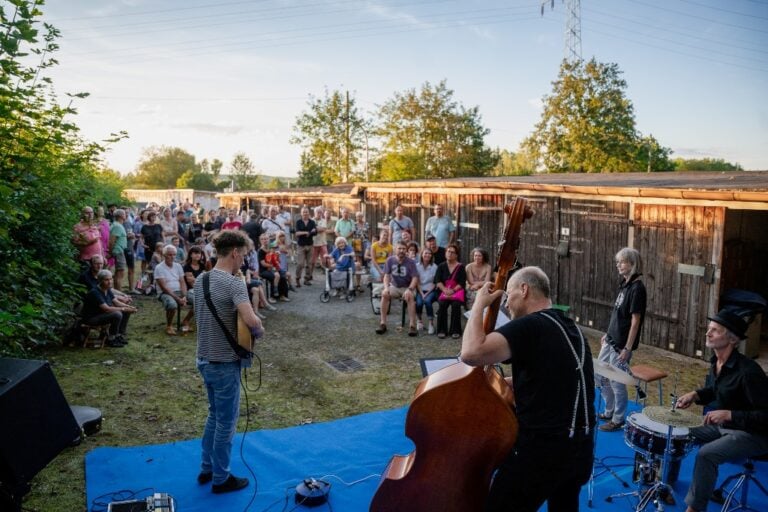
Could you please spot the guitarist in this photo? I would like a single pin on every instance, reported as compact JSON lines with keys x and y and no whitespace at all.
{"x":553,"y":383}
{"x":217,"y":359}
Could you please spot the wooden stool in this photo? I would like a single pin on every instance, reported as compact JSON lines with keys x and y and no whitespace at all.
{"x":101,"y":340}
{"x":646,"y":374}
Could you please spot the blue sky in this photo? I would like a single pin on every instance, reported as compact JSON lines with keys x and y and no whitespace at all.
{"x":217,"y":78}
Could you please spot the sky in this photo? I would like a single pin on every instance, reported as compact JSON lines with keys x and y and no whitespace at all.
{"x":221,"y":77}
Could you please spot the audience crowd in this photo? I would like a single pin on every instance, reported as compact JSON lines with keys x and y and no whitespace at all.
{"x":173,"y":246}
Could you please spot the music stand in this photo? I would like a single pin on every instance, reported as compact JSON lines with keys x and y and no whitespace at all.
{"x":430,"y":365}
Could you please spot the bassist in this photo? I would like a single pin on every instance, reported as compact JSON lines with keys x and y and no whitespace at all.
{"x":554,"y":395}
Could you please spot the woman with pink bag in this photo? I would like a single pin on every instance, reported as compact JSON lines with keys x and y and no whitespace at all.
{"x":450,"y":279}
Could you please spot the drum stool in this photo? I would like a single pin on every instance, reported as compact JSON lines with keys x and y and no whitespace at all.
{"x":646,"y":374}
{"x":742,"y":481}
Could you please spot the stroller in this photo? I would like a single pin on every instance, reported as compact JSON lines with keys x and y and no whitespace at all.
{"x":340,"y":281}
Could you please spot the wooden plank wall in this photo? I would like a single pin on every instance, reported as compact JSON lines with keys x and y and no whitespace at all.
{"x":587,"y":277}
{"x":487,"y":211}
{"x":537,"y":244}
{"x":678,"y":301}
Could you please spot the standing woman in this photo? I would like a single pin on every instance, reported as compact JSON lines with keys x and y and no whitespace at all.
{"x":479,"y":272}
{"x":103,"y":224}
{"x":450,"y":279}
{"x":427,"y":292}
{"x":169,"y":225}
{"x":360,"y":244}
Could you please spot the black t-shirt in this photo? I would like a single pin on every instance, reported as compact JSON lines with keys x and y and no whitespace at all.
{"x":544,"y":372}
{"x":253,"y":228}
{"x":152,"y":234}
{"x":631,"y":299}
{"x":311,"y":227}
{"x":93,"y":301}
{"x":439,"y":255}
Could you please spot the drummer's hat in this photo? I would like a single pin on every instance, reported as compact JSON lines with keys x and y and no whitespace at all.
{"x":731,"y":321}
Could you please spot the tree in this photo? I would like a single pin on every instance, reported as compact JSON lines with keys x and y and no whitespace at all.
{"x":196,"y":180}
{"x":48,"y":173}
{"x":588,"y":124}
{"x":275,"y":184}
{"x":705,"y":164}
{"x":333,"y":136}
{"x":161,"y":167}
{"x":513,"y":164}
{"x":244,"y":175}
{"x":426,"y":134}
{"x":311,"y":173}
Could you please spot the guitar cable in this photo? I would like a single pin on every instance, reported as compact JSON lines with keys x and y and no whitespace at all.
{"x":244,"y":386}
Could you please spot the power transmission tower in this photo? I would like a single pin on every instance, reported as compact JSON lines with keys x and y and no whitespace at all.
{"x":572,"y":28}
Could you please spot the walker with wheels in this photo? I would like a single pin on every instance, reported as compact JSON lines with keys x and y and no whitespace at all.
{"x":341,"y":282}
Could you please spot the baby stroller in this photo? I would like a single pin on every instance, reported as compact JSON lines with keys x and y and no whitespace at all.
{"x":341,"y":282}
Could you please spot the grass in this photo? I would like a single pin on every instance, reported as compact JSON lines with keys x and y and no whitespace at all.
{"x":150,"y":391}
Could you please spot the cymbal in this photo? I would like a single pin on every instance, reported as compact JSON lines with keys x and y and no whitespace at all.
{"x":613,"y":373}
{"x":676,"y":418}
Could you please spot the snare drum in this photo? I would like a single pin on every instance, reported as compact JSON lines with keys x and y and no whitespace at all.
{"x":649,"y":437}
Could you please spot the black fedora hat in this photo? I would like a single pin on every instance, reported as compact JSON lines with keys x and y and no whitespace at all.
{"x":731,"y":321}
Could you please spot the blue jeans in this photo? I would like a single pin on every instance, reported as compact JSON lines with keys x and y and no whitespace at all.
{"x":222,"y":382}
{"x":426,"y":301}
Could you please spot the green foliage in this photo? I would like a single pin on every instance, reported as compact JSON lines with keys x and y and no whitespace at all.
{"x":513,"y":164}
{"x":275,"y":184}
{"x":196,"y":180}
{"x":588,"y":124}
{"x":48,"y":173}
{"x":311,"y":173}
{"x":705,"y":164}
{"x":334,"y":138}
{"x":426,"y":134}
{"x":161,"y":167}
{"x":244,"y":175}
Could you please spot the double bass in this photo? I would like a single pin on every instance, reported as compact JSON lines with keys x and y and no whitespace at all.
{"x":461,"y":421}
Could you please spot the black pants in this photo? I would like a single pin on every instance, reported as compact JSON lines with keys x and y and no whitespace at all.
{"x":117,"y":320}
{"x":540,"y":468}
{"x":442,"y":317}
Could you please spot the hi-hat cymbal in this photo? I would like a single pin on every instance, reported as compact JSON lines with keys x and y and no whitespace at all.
{"x":676,"y":418}
{"x":613,"y":373}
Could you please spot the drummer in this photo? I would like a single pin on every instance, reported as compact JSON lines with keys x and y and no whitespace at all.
{"x":736,"y":397}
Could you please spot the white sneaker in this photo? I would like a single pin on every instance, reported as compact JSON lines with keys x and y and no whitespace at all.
{"x":334,"y":293}
{"x":420,"y":325}
{"x":431,"y":329}
{"x":270,"y":307}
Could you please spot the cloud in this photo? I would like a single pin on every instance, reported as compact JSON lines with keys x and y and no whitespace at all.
{"x":536,"y":103}
{"x":385,"y":12}
{"x":211,"y":128}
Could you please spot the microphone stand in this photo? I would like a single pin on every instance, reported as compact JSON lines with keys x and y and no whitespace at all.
{"x":599,"y":462}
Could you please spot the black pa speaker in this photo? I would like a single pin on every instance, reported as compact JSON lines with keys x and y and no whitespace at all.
{"x":37,"y":423}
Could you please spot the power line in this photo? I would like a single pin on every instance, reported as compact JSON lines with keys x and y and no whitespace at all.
{"x":726,"y":10}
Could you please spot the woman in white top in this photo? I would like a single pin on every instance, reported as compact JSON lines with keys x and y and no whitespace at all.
{"x":169,"y":225}
{"x":427,"y":292}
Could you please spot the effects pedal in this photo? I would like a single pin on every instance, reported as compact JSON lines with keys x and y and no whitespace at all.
{"x":312,"y":493}
{"x":161,"y":502}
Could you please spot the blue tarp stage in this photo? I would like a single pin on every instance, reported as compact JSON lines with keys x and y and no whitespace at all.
{"x":341,"y":452}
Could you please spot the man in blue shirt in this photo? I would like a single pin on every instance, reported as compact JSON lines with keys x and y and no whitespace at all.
{"x":441,"y":227}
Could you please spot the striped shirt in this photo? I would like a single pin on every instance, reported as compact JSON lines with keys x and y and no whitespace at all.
{"x":227,"y":291}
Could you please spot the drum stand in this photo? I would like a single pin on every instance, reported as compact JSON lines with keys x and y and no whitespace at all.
{"x":660,"y":491}
{"x":599,"y":462}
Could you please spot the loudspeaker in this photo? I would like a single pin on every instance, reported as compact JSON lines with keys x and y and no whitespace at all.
{"x":37,"y":423}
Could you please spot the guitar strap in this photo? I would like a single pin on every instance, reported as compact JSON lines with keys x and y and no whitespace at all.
{"x":240,"y":351}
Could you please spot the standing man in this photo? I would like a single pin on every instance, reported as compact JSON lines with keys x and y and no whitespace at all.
{"x":623,"y":336}
{"x":552,"y":378}
{"x":305,"y":235}
{"x":401,"y":278}
{"x":253,"y":228}
{"x":118,"y":244}
{"x":271,"y":224}
{"x":736,"y":393}
{"x":441,"y":227}
{"x":345,"y":227}
{"x":218,"y":362}
{"x":399,"y":224}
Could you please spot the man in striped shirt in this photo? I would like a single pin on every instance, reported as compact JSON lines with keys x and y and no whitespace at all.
{"x":217,"y":360}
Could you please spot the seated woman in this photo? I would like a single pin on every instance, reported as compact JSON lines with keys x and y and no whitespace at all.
{"x":100,"y":307}
{"x":427,"y":293}
{"x":341,"y":259}
{"x":450,"y":279}
{"x":479,"y":272}
{"x":250,"y":270}
{"x":276,"y":287}
{"x":380,"y":250}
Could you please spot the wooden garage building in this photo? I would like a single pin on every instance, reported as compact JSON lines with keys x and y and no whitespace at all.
{"x":700,"y":234}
